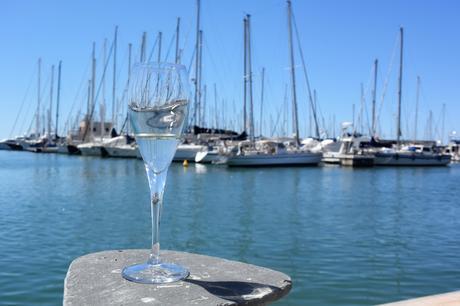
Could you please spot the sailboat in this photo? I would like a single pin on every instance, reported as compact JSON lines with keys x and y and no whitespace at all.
{"x":411,"y":155}
{"x":267,"y":152}
{"x":53,"y":143}
{"x":124,"y":145}
{"x":91,"y":148}
{"x":93,"y":129}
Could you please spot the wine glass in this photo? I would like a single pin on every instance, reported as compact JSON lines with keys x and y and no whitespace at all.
{"x":158,"y":99}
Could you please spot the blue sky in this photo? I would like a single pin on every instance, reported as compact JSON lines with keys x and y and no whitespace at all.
{"x":340,"y":40}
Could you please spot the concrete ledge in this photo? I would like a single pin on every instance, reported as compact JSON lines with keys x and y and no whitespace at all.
{"x":445,"y":299}
{"x":95,"y":279}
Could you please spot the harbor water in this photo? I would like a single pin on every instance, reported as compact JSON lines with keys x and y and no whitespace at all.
{"x":345,"y":236}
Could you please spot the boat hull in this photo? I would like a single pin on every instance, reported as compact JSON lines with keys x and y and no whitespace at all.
{"x":4,"y":146}
{"x":410,"y":159}
{"x":10,"y":146}
{"x":288,"y":159}
{"x":90,"y":151}
{"x":62,"y":149}
{"x":187,"y":152}
{"x":122,"y":152}
{"x":331,"y":158}
{"x":359,"y":161}
{"x":50,"y":149}
{"x":209,"y":157}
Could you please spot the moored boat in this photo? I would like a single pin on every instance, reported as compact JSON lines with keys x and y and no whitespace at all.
{"x":90,"y":149}
{"x":10,"y":144}
{"x":417,"y":155}
{"x":124,"y":150}
{"x":357,"y":160}
{"x":269,"y":153}
{"x":187,"y":152}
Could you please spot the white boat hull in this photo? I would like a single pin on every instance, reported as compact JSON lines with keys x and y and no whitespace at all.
{"x":122,"y":151}
{"x":331,"y":157}
{"x":187,"y":152}
{"x":208,"y":157}
{"x":285,"y":159}
{"x":90,"y":150}
{"x":410,"y":159}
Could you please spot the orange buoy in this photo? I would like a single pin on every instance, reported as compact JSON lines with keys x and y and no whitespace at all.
{"x":185,"y":163}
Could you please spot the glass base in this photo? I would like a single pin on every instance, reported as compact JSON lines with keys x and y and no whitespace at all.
{"x":155,"y":274}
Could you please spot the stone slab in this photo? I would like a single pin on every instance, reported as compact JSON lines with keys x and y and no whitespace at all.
{"x":445,"y":299}
{"x":95,"y":279}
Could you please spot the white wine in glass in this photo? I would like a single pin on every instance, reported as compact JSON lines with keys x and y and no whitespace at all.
{"x":158,"y":99}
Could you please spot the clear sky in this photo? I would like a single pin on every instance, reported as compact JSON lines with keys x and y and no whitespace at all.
{"x":340,"y":40}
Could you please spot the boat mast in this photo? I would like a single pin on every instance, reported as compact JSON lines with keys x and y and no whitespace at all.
{"x":262,"y":100}
{"x":333,"y":126}
{"x":245,"y":74}
{"x":353,"y":116}
{"x":114,"y":77}
{"x":160,"y":35}
{"x":197,"y":60}
{"x":430,"y":125}
{"x":374,"y":96}
{"x":293,"y":89}
{"x":200,"y":57}
{"x":143,"y":46}
{"x":251,"y":105}
{"x":177,"y":41}
{"x":416,"y":108}
{"x":50,"y":110}
{"x":313,"y":106}
{"x":88,"y":107}
{"x":398,"y":128}
{"x":203,"y":118}
{"x":309,"y":121}
{"x":102,"y":103}
{"x":443,"y":122}
{"x":130,"y":47}
{"x":215,"y":107}
{"x":37,"y":121}
{"x":58,"y":98}
{"x":93,"y":88}
{"x":361,"y":111}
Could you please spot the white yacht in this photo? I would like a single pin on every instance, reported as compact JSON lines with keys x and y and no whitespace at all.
{"x":269,"y":153}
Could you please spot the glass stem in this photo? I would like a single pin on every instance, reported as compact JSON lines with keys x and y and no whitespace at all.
{"x":157,"y":184}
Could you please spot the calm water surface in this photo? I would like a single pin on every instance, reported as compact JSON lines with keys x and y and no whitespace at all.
{"x":345,"y":237}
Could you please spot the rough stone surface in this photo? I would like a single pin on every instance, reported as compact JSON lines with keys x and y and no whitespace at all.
{"x":95,"y":279}
{"x":445,"y":299}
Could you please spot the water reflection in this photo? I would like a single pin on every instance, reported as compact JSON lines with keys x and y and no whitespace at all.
{"x":201,"y":169}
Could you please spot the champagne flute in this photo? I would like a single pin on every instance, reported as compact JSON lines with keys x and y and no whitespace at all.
{"x":158,"y":99}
